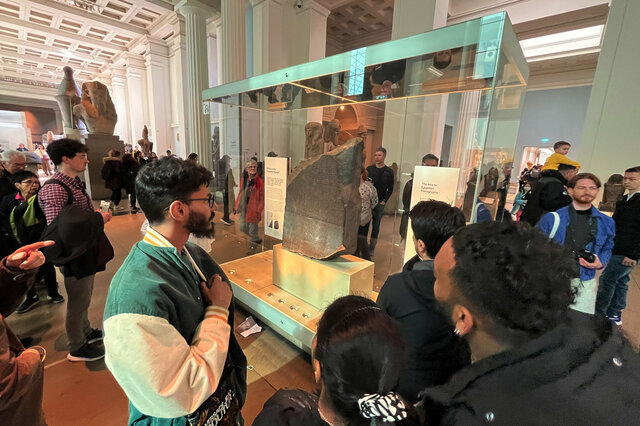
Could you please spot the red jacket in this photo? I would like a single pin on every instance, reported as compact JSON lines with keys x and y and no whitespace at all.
{"x":255,"y":206}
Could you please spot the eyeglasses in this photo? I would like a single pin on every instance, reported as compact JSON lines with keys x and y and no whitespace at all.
{"x":211,"y":199}
{"x":30,"y":182}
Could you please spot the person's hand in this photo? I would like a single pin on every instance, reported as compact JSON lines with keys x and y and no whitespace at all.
{"x":106,"y":216}
{"x":596,"y":264}
{"x":29,"y":256}
{"x":235,"y":211}
{"x":216,"y":292}
{"x":382,"y":203}
{"x":629,"y":262}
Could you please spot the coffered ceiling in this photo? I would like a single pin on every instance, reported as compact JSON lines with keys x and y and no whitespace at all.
{"x":39,"y":37}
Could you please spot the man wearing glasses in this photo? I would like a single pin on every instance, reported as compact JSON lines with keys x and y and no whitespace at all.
{"x":12,"y":162}
{"x":169,"y":310}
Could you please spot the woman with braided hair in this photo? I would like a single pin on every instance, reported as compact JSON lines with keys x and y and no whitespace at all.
{"x":357,"y":358}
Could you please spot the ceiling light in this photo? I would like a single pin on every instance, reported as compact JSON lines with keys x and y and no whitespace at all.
{"x":567,"y":43}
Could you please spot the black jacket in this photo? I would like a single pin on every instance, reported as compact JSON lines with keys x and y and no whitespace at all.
{"x":432,"y":351}
{"x":583,"y":372}
{"x":112,"y":173}
{"x":383,"y":180}
{"x":627,"y":217}
{"x":130,"y":170}
{"x":548,"y":195}
{"x":6,"y":187}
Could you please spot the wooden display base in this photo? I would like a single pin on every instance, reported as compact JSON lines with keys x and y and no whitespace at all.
{"x":252,"y":282}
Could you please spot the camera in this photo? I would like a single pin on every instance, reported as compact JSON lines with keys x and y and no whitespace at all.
{"x":587,"y":256}
{"x":299,"y":4}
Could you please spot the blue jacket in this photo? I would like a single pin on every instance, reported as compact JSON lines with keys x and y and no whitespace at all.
{"x":604,"y":236}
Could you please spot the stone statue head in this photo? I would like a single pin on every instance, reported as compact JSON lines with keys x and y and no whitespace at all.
{"x":332,"y":131}
{"x":145,"y":132}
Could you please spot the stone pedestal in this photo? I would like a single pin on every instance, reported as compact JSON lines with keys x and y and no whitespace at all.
{"x":99,"y":145}
{"x":320,"y":282}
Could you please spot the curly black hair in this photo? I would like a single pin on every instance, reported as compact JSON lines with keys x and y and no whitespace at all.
{"x":360,"y":351}
{"x":515,"y":275}
{"x":164,"y":181}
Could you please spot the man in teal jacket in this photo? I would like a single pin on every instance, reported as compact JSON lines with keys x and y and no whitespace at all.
{"x":168,"y":315}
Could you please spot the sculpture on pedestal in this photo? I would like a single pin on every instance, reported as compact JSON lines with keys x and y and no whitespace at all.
{"x":145,"y":144}
{"x":96,"y":108}
{"x":313,"y":143}
{"x":322,"y":212}
{"x":613,"y":192}
{"x":331,"y":133}
{"x":68,"y":96}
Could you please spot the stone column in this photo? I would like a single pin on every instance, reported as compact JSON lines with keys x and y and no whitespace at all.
{"x":423,"y":125}
{"x":231,"y":39}
{"x":611,"y":127}
{"x":119,"y":96}
{"x":177,"y":72}
{"x":136,"y":75}
{"x":310,"y":45}
{"x":195,"y":15}
{"x":157,"y":63}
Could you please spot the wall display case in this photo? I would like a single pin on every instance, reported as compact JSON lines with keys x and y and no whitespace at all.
{"x":456,"y":92}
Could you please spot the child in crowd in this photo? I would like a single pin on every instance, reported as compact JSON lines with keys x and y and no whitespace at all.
{"x":559,"y":156}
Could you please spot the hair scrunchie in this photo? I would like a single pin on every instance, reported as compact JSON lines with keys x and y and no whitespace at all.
{"x":388,"y":407}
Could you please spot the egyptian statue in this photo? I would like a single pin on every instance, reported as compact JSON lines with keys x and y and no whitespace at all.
{"x":313,"y":144}
{"x":96,"y":108}
{"x":68,"y":96}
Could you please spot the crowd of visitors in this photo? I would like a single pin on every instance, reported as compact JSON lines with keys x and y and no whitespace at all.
{"x":497,"y":322}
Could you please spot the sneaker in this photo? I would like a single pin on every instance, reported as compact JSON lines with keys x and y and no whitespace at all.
{"x":617,"y":320}
{"x":94,"y":335}
{"x":86,"y":352}
{"x":226,"y":221}
{"x":27,"y":305}
{"x":55,"y":298}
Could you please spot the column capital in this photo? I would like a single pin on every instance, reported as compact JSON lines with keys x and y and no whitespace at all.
{"x":187,"y":7}
{"x":155,"y":46}
{"x":117,"y":73}
{"x":313,"y":6}
{"x":255,"y":3}
{"x":176,"y":21}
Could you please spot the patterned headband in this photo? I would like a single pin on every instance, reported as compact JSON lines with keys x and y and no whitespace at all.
{"x":387,"y":407}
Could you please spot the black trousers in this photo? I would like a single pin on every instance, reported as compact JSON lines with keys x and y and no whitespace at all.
{"x":116,"y":196}
{"x":48,"y":273}
{"x":362,"y":249}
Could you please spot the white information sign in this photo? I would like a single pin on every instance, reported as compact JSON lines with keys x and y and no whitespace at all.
{"x":430,"y":183}
{"x":275,"y":192}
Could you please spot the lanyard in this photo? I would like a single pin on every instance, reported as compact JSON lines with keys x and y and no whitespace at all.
{"x":195,"y":266}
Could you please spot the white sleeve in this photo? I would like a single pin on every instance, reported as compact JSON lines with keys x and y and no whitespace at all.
{"x":162,"y":374}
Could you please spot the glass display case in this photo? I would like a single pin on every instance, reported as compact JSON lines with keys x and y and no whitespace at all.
{"x":455,"y":92}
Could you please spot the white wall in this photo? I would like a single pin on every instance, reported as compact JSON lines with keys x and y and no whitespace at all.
{"x":556,"y":114}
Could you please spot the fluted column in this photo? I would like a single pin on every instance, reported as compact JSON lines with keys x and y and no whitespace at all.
{"x":157,"y":63}
{"x":119,"y":96}
{"x":136,"y":75}
{"x":233,"y":41}
{"x":195,"y":15}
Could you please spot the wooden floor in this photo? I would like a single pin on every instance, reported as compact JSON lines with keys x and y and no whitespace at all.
{"x":86,"y":393}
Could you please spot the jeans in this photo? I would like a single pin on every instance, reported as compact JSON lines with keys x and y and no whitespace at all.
{"x":362,"y":249}
{"x":612,"y":293}
{"x":78,"y":300}
{"x":378,"y":211}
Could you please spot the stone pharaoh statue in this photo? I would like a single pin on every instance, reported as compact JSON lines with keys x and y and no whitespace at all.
{"x":96,"y":108}
{"x":313,"y":144}
{"x":145,"y":144}
{"x":68,"y":96}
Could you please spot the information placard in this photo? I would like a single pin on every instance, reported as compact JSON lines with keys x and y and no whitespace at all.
{"x":430,"y":183}
{"x":275,"y":192}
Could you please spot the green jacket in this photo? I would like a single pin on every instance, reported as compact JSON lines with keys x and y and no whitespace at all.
{"x":165,"y":349}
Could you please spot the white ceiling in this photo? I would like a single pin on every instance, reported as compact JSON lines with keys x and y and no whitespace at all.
{"x":39,"y":37}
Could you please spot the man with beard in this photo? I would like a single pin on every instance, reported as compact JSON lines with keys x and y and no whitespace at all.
{"x":506,"y":288}
{"x":586,"y":232}
{"x":168,"y":315}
